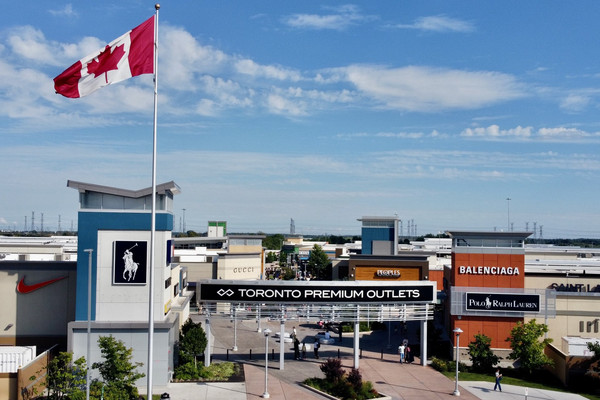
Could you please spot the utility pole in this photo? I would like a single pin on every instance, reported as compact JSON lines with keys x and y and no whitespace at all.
{"x":508,"y":199}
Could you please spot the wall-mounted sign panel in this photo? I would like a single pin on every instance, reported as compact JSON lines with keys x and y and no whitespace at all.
{"x":317,"y":292}
{"x":129,"y":262}
{"x":512,"y":302}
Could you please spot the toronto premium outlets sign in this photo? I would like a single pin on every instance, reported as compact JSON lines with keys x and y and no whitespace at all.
{"x":513,"y":302}
{"x":317,"y":292}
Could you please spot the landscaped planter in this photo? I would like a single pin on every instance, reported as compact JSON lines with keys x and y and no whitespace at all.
{"x":328,"y":396}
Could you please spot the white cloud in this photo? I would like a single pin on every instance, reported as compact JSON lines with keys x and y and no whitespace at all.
{"x":556,"y":134}
{"x":249,"y":67}
{"x":30,"y":43}
{"x":575,"y":102}
{"x":66,"y":11}
{"x":494,"y":131}
{"x":427,"y":89}
{"x":278,"y":104}
{"x":182,"y":59}
{"x":439,"y":23}
{"x":342,"y":18}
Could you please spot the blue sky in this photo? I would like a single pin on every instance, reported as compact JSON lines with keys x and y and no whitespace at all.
{"x":324,"y":112}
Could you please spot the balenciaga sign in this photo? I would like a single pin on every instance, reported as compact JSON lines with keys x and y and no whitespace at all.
{"x":484,"y":270}
{"x":316,"y":292}
{"x":509,"y":302}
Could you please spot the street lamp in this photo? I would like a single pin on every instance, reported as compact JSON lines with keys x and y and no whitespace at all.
{"x":457,"y":331}
{"x":266,"y":394}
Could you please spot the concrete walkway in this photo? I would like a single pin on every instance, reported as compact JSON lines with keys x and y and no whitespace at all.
{"x":378,"y":364}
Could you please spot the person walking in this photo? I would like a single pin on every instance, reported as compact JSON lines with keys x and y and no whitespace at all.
{"x":407,"y":355}
{"x":303,"y":350}
{"x":317,"y":345}
{"x":296,"y":349}
{"x":498,"y":379}
{"x":401,"y":349}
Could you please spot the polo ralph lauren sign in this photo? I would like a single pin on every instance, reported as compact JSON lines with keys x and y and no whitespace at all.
{"x":316,"y":292}
{"x":509,"y":302}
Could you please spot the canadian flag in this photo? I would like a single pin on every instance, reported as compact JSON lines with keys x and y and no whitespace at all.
{"x":129,"y":55}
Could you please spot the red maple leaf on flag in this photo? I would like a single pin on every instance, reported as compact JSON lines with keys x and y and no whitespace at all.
{"x":106,"y":61}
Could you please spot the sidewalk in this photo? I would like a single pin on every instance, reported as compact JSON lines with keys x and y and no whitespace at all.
{"x":399,"y":381}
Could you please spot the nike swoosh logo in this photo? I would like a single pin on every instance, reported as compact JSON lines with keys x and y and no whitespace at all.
{"x":24,"y":288}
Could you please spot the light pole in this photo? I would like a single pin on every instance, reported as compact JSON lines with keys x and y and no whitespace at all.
{"x":266,"y":394}
{"x":457,"y":331}
{"x":508,"y":199}
{"x":89,"y":323}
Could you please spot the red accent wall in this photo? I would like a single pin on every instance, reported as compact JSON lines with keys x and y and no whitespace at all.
{"x":437,"y":276}
{"x":497,"y":328}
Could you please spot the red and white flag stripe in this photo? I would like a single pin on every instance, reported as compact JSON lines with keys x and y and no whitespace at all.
{"x":130,"y":55}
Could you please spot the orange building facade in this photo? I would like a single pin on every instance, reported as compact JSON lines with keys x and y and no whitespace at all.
{"x":487,"y":286}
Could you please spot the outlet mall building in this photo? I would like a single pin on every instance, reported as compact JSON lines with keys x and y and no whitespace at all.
{"x":488,"y":281}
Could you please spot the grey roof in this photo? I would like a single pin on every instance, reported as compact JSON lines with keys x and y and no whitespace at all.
{"x":381,"y":218}
{"x":90,"y":187}
{"x":488,"y":234}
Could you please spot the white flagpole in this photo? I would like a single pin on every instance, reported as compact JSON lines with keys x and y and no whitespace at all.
{"x":153,"y":222}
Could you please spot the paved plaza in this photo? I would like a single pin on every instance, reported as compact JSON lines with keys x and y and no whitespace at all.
{"x":378,"y":364}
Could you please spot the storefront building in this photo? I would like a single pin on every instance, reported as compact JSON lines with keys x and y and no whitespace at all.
{"x":487,"y":287}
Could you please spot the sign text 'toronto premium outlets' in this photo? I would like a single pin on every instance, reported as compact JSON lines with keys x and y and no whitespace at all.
{"x":316,"y":294}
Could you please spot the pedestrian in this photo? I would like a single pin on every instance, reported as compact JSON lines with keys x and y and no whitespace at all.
{"x":498,"y":379}
{"x":401,"y":349}
{"x":294,"y":333}
{"x":317,"y":345}
{"x":407,"y":355}
{"x":303,"y":350}
{"x":296,"y":349}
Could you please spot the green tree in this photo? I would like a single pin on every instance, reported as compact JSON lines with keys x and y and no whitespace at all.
{"x":595,"y":347}
{"x":482,"y":357}
{"x":271,"y":257}
{"x":274,"y":242}
{"x":527,"y":346}
{"x":118,"y":373}
{"x":66,"y":379}
{"x":282,"y":259}
{"x":192,"y":342}
{"x":318,"y":262}
{"x":287,"y":274}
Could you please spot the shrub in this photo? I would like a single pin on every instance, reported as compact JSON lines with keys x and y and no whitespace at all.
{"x":332,"y":368}
{"x":355,"y":379}
{"x":481,"y":354}
{"x":439,"y":364}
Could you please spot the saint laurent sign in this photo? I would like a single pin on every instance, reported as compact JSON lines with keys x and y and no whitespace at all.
{"x":510,"y":302}
{"x":217,"y":290}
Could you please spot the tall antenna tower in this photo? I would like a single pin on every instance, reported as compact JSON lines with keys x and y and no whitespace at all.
{"x":526,"y":226}
{"x":512,"y":226}
{"x":59,"y":227}
{"x":292,"y":227}
{"x":42,"y":225}
{"x":25,"y":226}
{"x":541,"y":234}
{"x":33,"y":220}
{"x":534,"y":230}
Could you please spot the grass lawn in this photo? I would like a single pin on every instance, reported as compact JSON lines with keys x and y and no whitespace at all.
{"x":509,"y":380}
